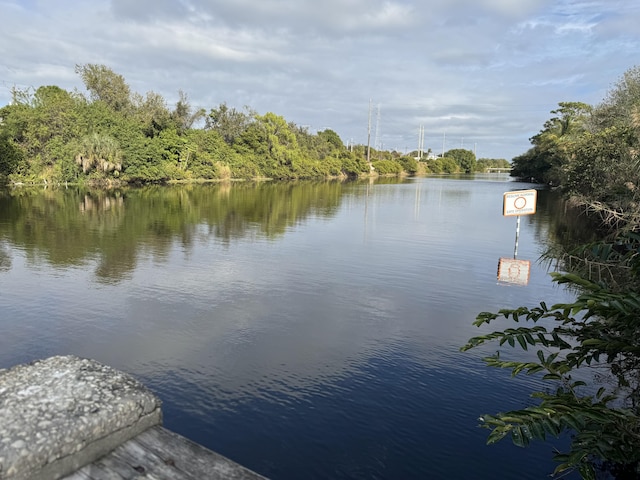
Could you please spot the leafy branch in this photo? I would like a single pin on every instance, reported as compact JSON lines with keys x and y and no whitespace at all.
{"x":601,"y":329}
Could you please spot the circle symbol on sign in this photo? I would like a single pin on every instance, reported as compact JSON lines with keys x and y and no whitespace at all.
{"x":520,"y":203}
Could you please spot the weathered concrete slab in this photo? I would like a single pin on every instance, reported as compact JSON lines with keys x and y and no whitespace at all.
{"x":59,"y":414}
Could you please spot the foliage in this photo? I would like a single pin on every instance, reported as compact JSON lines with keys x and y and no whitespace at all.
{"x":408,"y":164}
{"x":183,"y":116}
{"x":443,"y":165}
{"x":100,"y":152}
{"x":466,"y":159}
{"x":606,"y":168}
{"x":599,"y":332}
{"x":354,"y":165}
{"x":483,"y":164}
{"x":331,"y":138}
{"x":551,"y":155}
{"x":10,"y":155}
{"x":587,"y":351}
{"x":229,"y":122}
{"x":593,"y":154}
{"x":622,"y":103}
{"x":51,"y":135}
{"x":151,"y":113}
{"x":105,"y":85}
{"x":605,"y":171}
{"x":387,"y":167}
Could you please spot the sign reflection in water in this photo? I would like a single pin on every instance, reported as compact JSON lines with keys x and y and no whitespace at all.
{"x":304,"y":330}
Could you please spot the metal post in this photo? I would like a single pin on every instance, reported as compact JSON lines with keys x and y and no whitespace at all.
{"x":515,"y":251}
{"x":369,"y":138}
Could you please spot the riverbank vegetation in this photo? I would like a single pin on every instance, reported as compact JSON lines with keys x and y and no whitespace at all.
{"x":112,"y":135}
{"x":588,"y":351}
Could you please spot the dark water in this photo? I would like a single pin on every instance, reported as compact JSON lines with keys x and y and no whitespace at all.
{"x":304,"y":330}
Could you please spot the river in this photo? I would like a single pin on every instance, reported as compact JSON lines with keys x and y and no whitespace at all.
{"x":305,"y":330}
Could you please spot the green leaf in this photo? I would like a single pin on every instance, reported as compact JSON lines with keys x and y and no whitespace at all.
{"x":587,"y":471}
{"x":518,"y":437}
{"x":574,"y":422}
{"x":550,"y":427}
{"x":537,"y":430}
{"x":529,"y":338}
{"x":522,"y":341}
{"x":498,"y":434}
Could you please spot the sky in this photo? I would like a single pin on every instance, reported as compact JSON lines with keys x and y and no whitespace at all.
{"x":477,"y":74}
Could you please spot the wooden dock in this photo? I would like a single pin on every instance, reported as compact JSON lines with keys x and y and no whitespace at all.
{"x":160,"y":454}
{"x":76,"y":419}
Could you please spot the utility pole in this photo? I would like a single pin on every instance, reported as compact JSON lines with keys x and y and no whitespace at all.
{"x":369,"y":137}
{"x":375,"y":143}
{"x":444,"y":136}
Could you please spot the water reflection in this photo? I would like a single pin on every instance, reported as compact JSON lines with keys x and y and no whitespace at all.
{"x":71,"y":226}
{"x":305,"y":329}
{"x":5,"y":259}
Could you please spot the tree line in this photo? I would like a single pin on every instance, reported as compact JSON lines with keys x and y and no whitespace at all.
{"x":111,"y":134}
{"x":587,"y":352}
{"x":592,"y":151}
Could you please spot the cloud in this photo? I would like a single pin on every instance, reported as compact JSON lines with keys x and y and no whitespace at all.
{"x":143,"y":10}
{"x":488,"y":71}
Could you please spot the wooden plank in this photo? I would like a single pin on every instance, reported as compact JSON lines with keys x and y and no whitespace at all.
{"x":159,"y":454}
{"x":144,"y":462}
{"x":193,"y":459}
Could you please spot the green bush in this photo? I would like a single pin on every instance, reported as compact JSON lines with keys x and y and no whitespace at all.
{"x":387,"y":167}
{"x":409,"y":164}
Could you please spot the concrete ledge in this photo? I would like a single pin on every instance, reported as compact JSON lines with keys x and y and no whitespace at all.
{"x":62,"y":413}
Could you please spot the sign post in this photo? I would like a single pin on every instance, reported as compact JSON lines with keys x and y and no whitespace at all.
{"x":516,"y":203}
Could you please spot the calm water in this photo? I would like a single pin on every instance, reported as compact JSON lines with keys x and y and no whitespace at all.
{"x":304,"y":330}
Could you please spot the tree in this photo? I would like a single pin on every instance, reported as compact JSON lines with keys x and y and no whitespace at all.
{"x":604,"y":174}
{"x":100,"y":152}
{"x":465,"y":158}
{"x":151,"y":111}
{"x":484,"y":163}
{"x":183,"y":114}
{"x":105,"y":85}
{"x":43,"y":127}
{"x":51,"y":134}
{"x":229,"y":122}
{"x":551,"y":155}
{"x":605,"y":171}
{"x":622,"y":104}
{"x":10,"y":155}
{"x":443,"y":165}
{"x":409,"y":164}
{"x":280,"y":143}
{"x":331,"y":138}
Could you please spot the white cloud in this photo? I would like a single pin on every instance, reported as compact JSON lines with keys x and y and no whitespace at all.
{"x":488,"y":71}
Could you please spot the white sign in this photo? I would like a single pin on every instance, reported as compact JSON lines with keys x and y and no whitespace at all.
{"x":514,"y":272}
{"x":520,"y":202}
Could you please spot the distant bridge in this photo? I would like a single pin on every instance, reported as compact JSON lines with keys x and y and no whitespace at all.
{"x":499,"y":170}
